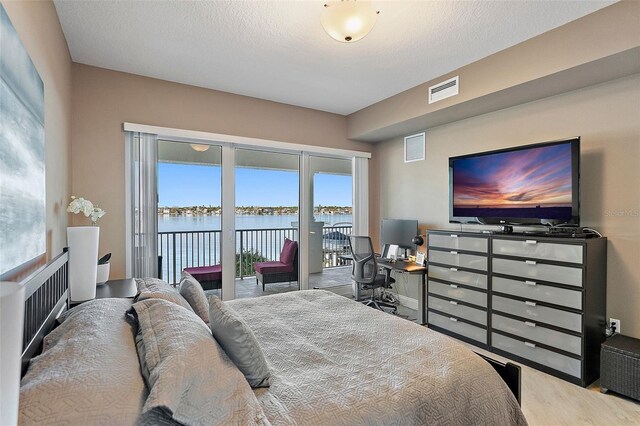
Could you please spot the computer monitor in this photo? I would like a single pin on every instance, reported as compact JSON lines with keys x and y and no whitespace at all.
{"x":399,"y":232}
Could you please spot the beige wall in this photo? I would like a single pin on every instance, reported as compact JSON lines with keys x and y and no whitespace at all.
{"x":606,"y":116}
{"x":578,"y":54}
{"x":103,"y":100}
{"x":39,"y":29}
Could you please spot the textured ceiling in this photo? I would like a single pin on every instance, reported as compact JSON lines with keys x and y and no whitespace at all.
{"x":277,"y":50}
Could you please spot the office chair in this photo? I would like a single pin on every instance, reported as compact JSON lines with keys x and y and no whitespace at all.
{"x":365,"y":271}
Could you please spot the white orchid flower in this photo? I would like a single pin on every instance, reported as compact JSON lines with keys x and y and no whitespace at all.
{"x":86,"y":207}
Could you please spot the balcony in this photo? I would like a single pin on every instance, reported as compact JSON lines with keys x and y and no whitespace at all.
{"x":182,"y":249}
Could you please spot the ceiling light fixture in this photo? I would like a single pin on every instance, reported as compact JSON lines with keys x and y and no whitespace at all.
{"x":199,"y":148}
{"x":348,"y":20}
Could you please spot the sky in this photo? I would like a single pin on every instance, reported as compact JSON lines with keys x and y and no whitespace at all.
{"x":517,"y":178}
{"x":182,"y":185}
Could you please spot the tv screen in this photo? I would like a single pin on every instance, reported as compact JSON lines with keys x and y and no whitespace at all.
{"x":533,"y":184}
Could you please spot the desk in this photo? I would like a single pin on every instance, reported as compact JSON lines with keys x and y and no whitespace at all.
{"x":413,"y":269}
{"x":402,"y":267}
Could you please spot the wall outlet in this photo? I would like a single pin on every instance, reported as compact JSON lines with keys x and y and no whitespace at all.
{"x":616,"y":323}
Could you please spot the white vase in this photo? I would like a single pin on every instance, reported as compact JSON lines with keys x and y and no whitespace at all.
{"x":83,"y":262}
{"x":103,"y":273}
{"x":11,"y":321}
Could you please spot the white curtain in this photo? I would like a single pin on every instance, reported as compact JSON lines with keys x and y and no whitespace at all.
{"x":360,"y":196}
{"x":143,"y":206}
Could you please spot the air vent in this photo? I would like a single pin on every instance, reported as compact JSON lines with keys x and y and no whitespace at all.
{"x":414,"y":148}
{"x":444,"y":90}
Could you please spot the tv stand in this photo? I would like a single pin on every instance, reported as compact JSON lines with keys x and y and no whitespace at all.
{"x":539,"y":300}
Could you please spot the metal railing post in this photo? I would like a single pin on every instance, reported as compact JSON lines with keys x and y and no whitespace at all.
{"x":241,"y":256}
{"x":173,"y":255}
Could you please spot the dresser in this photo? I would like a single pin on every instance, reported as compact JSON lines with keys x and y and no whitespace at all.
{"x":537,"y":300}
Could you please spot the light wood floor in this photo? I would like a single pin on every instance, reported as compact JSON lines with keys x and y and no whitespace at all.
{"x":547,"y":400}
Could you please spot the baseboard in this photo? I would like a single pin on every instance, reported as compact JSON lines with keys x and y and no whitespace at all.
{"x":407,"y":301}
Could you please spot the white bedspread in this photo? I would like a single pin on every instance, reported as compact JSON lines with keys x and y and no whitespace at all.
{"x":336,"y":361}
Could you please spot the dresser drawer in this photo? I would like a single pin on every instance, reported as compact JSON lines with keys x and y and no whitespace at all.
{"x":531,"y":312}
{"x":530,"y":331}
{"x":530,"y":290}
{"x":542,"y":356}
{"x":459,"y":242}
{"x":539,"y":271}
{"x":451,"y":307}
{"x":461,"y":277}
{"x":453,"y":292}
{"x":472,"y":332}
{"x":532,"y":249}
{"x":454,"y":258}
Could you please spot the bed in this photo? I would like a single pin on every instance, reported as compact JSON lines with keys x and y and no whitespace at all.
{"x":331,"y":361}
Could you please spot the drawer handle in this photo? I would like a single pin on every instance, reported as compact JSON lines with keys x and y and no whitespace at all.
{"x":453,"y":286}
{"x":454,"y":269}
{"x":530,"y":283}
{"x":531,"y":242}
{"x":530,"y":262}
{"x":453,"y":252}
{"x":453,"y":319}
{"x":530,"y":324}
{"x":453,"y":236}
{"x":530,"y":303}
{"x":529,"y":344}
{"x":453,"y":302}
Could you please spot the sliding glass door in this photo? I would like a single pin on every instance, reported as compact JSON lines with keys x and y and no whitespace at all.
{"x":189,"y":187}
{"x":266,"y":215}
{"x":223,"y":207}
{"x":330,"y":214}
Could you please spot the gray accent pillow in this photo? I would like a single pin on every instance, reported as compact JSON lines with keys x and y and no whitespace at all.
{"x":192,"y":291}
{"x":239,"y":342}
{"x":88,"y":372}
{"x":154,"y":288}
{"x":190,"y":378}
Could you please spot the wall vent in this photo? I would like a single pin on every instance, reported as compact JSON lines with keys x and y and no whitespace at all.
{"x":414,"y":148}
{"x":444,"y":90}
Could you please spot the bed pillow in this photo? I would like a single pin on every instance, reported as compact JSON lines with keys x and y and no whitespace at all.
{"x":88,"y":372}
{"x":192,"y":291}
{"x":239,"y":342}
{"x":190,"y":378}
{"x":154,"y":288}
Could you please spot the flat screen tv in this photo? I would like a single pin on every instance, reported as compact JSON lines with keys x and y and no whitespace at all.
{"x":525,"y":185}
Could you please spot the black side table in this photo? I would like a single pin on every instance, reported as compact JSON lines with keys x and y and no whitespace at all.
{"x":121,"y":289}
{"x":620,"y":366}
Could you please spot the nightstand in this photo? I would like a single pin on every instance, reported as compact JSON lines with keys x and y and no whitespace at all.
{"x":120,"y":289}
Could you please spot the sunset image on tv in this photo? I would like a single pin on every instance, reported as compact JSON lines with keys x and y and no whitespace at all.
{"x":531,"y":183}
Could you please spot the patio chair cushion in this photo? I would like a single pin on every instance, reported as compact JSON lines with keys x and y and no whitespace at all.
{"x":288,"y":253}
{"x":205,"y":273}
{"x":272,"y":267}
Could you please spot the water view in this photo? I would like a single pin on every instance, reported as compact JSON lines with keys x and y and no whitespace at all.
{"x":210,"y":223}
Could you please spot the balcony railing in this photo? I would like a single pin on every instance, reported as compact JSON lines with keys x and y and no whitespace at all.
{"x":184,"y":249}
